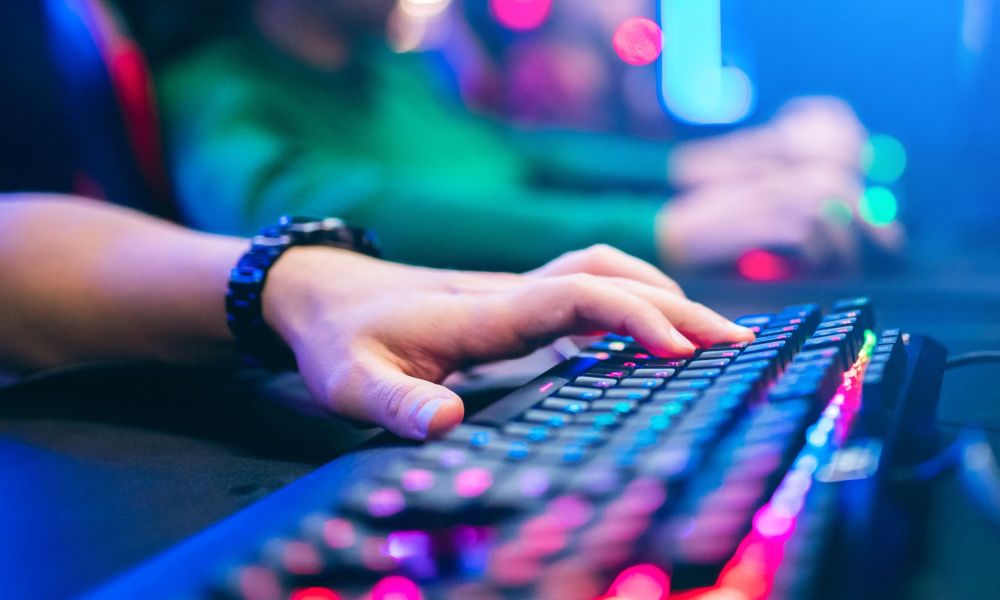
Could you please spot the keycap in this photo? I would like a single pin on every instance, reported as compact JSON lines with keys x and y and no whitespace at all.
{"x":600,"y":420}
{"x":673,"y":363}
{"x":708,"y":354}
{"x":548,"y":417}
{"x":774,"y":337}
{"x":688,"y":384}
{"x":579,"y":393}
{"x":729,"y":345}
{"x":595,"y":382}
{"x":641,"y":382}
{"x":565,"y":405}
{"x":693,"y":373}
{"x":756,"y":356}
{"x":661,"y":373}
{"x":714,"y":363}
{"x":472,"y":435}
{"x":528,"y":431}
{"x":638,"y":394}
{"x":619,"y":406}
{"x":612,"y":372}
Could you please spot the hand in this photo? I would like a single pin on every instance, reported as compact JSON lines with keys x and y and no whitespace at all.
{"x":373,"y":339}
{"x":809,"y":212}
{"x":806,"y":130}
{"x":792,"y":185}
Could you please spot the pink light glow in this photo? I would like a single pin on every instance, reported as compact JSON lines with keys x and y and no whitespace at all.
{"x":638,"y":41}
{"x":396,"y":588}
{"x":749,"y":574}
{"x":301,"y":558}
{"x":417,"y":480}
{"x":761,"y":265}
{"x":473,"y":482}
{"x":641,"y":582}
{"x":521,"y":15}
{"x":339,"y":533}
{"x":772,"y":524}
{"x":571,"y":511}
{"x":385,"y":502}
{"x":314,"y":593}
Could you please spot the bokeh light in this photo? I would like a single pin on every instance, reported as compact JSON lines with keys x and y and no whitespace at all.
{"x":761,"y":265}
{"x":521,"y":15}
{"x":638,"y":41}
{"x":878,"y":206}
{"x":641,"y":582}
{"x":883,"y":158}
{"x":314,"y":593}
{"x":396,"y":588}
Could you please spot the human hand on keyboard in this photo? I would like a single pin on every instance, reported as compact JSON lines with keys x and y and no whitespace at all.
{"x":373,"y":339}
{"x":792,"y":185}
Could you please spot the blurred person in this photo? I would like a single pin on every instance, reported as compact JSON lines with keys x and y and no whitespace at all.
{"x":84,"y":281}
{"x":304,"y":109}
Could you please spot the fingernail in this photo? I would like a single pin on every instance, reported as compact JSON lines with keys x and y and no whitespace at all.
{"x":425,"y":414}
{"x":681,"y":341}
{"x":741,"y":330}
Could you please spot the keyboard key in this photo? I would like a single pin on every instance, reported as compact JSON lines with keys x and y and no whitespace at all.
{"x":612,"y":372}
{"x":661,"y":373}
{"x":693,"y":373}
{"x":585,"y":435}
{"x":579,"y":393}
{"x":756,"y":356}
{"x":673,"y":363}
{"x":763,"y":346}
{"x":548,"y":417}
{"x":622,"y":407}
{"x":755,"y":365}
{"x":688,"y":384}
{"x":714,"y":363}
{"x":564,"y":405}
{"x":775,"y":337}
{"x":708,"y":354}
{"x":528,"y":431}
{"x":595,"y":382}
{"x":729,"y":346}
{"x":472,"y":435}
{"x":760,"y":320}
{"x":600,"y":420}
{"x":627,"y":394}
{"x":641,"y":382}
{"x":676,"y":395}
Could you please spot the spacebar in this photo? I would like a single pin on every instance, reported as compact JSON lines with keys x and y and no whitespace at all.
{"x":510,"y":406}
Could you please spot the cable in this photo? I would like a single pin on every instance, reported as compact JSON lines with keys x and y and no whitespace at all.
{"x":972,"y":358}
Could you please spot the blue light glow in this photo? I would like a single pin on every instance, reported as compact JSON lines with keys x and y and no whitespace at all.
{"x":695,"y":86}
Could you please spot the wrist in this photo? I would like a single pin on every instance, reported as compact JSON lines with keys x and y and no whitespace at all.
{"x":263,"y":345}
{"x":300,"y":282}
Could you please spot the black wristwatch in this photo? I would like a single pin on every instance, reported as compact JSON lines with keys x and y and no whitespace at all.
{"x":261,"y":345}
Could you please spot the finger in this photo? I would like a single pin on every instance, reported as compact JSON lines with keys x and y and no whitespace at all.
{"x":609,"y":262}
{"x":378,"y":391}
{"x":697,"y":322}
{"x":580,"y":303}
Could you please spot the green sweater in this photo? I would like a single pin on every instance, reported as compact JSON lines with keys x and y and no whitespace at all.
{"x":252,"y":135}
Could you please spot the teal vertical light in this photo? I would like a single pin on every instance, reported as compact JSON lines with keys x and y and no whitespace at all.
{"x":694,"y":84}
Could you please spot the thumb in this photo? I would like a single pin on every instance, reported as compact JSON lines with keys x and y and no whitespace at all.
{"x":410,"y":407}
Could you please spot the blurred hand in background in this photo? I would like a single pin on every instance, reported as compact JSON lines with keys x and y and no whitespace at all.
{"x":791,"y":186}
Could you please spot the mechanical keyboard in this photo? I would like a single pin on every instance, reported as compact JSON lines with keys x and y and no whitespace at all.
{"x":748,"y":471}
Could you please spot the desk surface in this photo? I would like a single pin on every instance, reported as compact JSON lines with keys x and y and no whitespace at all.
{"x":104,"y":468}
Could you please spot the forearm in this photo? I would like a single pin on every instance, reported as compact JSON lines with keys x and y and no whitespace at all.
{"x":84,"y":281}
